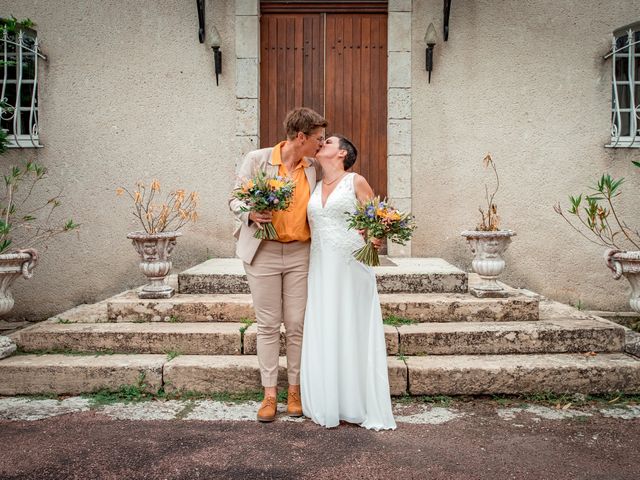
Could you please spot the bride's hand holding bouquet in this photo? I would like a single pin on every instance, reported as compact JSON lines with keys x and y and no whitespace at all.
{"x":378,"y":219}
{"x":263,"y":195}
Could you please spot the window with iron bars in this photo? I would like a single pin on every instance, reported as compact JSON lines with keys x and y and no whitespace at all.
{"x":19,"y":56}
{"x":625,"y":103}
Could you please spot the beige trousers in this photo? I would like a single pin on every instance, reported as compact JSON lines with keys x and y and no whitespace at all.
{"x":278,"y":282}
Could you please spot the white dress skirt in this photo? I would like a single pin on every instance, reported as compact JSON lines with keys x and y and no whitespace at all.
{"x":343,"y":372}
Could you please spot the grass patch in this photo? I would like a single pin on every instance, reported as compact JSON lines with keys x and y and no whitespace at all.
{"x":437,"y":400}
{"x":172,"y":354}
{"x":396,"y":321}
{"x":63,"y":320}
{"x":175,"y":319}
{"x":572,"y":399}
{"x":126,"y":393}
{"x":40,"y":396}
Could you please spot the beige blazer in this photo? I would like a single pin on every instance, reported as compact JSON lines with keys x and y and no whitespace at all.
{"x":247,"y":244}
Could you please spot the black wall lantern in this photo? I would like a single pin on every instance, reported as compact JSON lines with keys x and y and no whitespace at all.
{"x":430,"y":40}
{"x":214,"y":42}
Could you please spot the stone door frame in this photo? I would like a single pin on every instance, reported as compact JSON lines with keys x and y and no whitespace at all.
{"x":399,"y":161}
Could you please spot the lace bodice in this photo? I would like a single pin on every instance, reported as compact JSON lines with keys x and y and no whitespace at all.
{"x":329,"y":227}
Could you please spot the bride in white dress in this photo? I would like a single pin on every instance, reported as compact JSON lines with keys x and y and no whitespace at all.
{"x":343,"y":372}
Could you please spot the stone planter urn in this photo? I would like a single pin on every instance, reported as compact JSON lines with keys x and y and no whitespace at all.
{"x":488,"y":263}
{"x":12,"y":266}
{"x":626,"y":264}
{"x":155,"y":261}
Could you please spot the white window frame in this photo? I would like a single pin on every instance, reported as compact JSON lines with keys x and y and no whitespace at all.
{"x":17,"y":138}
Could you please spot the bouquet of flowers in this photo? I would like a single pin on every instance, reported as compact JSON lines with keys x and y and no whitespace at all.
{"x":379,"y":220}
{"x":262,"y":193}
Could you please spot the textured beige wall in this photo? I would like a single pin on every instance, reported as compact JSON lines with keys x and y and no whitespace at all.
{"x":525,"y":81}
{"x":128,"y":93}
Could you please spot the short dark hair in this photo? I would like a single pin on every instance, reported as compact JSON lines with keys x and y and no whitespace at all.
{"x":352,"y":151}
{"x":303,"y":120}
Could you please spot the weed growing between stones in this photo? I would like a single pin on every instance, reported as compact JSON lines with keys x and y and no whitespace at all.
{"x":175,"y":319}
{"x":396,"y":321}
{"x":172,"y":354}
{"x":126,"y":393}
{"x":246,"y":323}
{"x":64,"y":320}
{"x":439,"y":400}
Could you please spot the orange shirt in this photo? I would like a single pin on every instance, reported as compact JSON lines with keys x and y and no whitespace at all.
{"x":292,"y":224}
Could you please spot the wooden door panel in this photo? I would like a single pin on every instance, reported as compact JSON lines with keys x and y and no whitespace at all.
{"x":356,"y":89}
{"x":335,"y":63}
{"x":291,"y":69}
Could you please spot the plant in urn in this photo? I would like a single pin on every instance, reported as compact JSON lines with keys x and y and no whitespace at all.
{"x":488,"y":242}
{"x":161,"y":219}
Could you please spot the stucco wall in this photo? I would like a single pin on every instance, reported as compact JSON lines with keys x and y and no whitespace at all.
{"x":525,"y":81}
{"x":128,"y":93}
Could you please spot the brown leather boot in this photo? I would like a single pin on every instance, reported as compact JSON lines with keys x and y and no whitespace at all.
{"x":294,"y":404}
{"x":267,"y":412}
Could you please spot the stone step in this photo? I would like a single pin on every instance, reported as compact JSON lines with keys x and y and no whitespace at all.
{"x":429,"y":375}
{"x":219,"y":373}
{"x":517,"y":374}
{"x":251,"y":336}
{"x":404,"y":275}
{"x":421,"y":307}
{"x":546,"y":336}
{"x":76,"y":374}
{"x":184,"y":338}
{"x":452,"y":338}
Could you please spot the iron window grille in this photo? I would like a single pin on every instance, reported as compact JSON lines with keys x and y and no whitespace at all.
{"x":625,"y":87}
{"x":20,"y":53}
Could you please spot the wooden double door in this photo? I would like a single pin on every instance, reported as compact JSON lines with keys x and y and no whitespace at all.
{"x":334,"y":60}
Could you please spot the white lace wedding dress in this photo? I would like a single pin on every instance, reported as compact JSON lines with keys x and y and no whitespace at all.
{"x":344,"y":360}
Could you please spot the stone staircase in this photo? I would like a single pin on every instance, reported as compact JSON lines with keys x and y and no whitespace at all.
{"x":441,"y":340}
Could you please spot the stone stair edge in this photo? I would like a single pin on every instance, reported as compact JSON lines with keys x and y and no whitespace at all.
{"x":411,"y":369}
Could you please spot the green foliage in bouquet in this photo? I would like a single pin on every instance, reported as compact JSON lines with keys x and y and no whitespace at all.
{"x":263,"y":193}
{"x":380,"y":220}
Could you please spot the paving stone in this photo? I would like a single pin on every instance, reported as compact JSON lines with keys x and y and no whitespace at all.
{"x":29,"y":409}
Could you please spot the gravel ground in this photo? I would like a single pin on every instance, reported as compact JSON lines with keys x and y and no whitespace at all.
{"x":70,"y":439}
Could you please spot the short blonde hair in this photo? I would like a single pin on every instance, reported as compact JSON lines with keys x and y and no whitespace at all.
{"x":303,"y":120}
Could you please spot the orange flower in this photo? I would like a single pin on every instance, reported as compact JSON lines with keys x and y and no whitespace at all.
{"x":155,"y":185}
{"x":119,"y":191}
{"x":247,"y":186}
{"x":137,"y":197}
{"x":276,"y":184}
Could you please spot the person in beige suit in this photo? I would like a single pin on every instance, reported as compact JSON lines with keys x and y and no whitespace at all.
{"x":277,"y":269}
